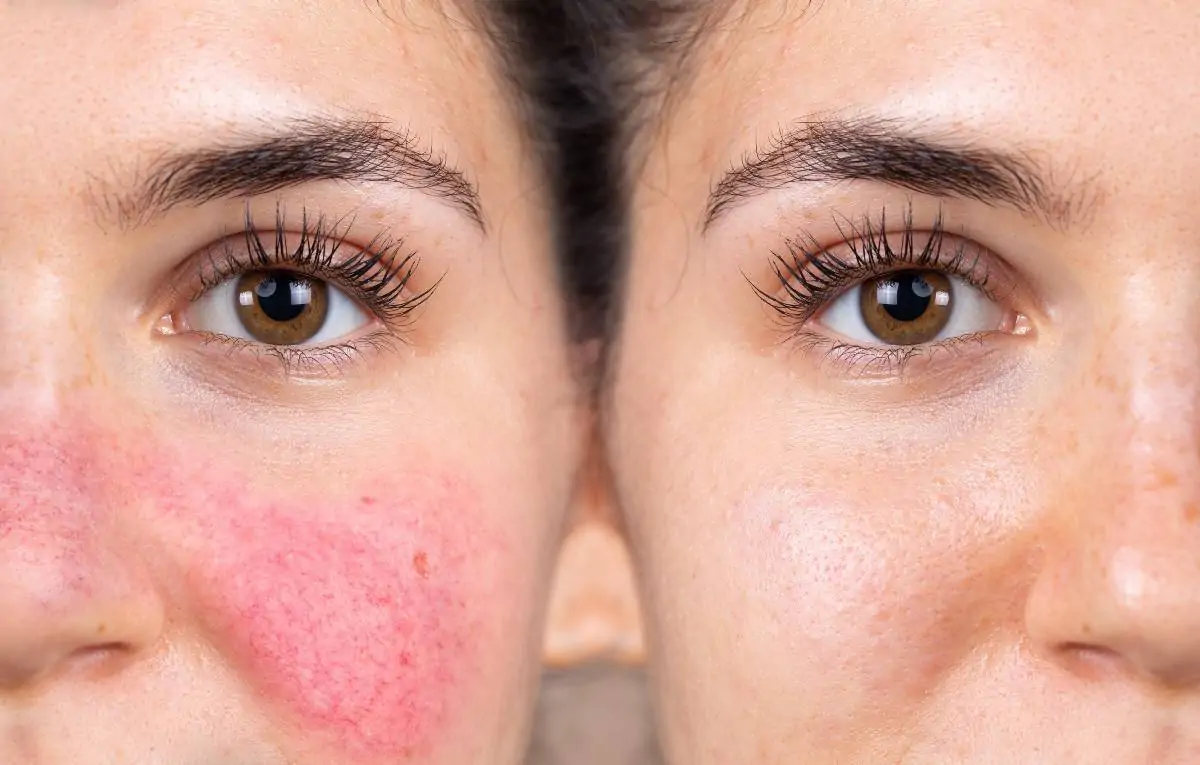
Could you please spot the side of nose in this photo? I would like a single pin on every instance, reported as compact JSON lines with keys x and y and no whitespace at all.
{"x":1123,"y":595}
{"x":73,"y":596}
{"x":1117,"y":591}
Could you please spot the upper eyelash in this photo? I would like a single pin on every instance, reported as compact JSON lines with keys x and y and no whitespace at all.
{"x":377,"y":275}
{"x":810,"y":275}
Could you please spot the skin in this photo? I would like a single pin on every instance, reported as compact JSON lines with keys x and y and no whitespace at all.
{"x":210,"y":556}
{"x":991,"y":557}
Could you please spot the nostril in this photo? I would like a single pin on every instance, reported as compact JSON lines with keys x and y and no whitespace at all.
{"x":98,"y":660}
{"x":1092,"y":661}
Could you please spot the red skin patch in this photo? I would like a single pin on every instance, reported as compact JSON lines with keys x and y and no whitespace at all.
{"x":357,"y":618}
{"x":338,"y":621}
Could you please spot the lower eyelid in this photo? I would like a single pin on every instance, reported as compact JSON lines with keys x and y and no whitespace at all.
{"x":913,"y":363}
{"x":242,"y":361}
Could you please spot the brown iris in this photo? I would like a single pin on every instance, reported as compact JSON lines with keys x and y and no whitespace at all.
{"x":281,"y":307}
{"x":907,"y":307}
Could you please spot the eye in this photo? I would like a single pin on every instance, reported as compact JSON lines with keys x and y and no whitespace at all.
{"x":277,"y":307}
{"x":912,"y":307}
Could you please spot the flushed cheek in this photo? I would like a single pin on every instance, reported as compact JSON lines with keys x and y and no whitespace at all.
{"x":359,"y":617}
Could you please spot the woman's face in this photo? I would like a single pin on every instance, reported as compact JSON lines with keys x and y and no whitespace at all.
{"x":286,"y":421}
{"x":906,"y":411}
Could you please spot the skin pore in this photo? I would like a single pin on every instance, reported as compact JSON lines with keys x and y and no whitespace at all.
{"x":950,"y":515}
{"x":279,"y":482}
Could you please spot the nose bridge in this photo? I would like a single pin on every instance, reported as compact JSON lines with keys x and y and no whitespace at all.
{"x":48,"y":329}
{"x":1121,"y":575}
{"x":70,"y":585}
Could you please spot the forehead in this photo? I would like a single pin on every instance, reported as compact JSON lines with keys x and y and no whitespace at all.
{"x":96,"y":79}
{"x":979,"y":60}
{"x":1017,"y":69}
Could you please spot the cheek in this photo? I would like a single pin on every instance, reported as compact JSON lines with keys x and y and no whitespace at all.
{"x":878,"y":594}
{"x":359,"y":611}
{"x":361,"y":617}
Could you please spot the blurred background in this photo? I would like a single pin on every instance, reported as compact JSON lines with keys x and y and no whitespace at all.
{"x":593,"y":708}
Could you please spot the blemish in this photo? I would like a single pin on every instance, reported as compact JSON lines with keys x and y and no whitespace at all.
{"x":1166,"y":478}
{"x":421,"y":565}
{"x":1191,"y":512}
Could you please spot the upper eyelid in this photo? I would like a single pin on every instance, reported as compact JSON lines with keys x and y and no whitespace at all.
{"x":383,"y":259}
{"x":804,"y":272}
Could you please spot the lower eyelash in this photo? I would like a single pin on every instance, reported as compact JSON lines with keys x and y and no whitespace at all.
{"x":377,"y":276}
{"x":301,"y":360}
{"x":861,"y":361}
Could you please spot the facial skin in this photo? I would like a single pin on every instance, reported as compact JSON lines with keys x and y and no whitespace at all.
{"x":985,"y":551}
{"x":217,"y":550}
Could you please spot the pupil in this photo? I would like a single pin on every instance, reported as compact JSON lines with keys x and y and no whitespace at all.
{"x":282,"y":297}
{"x":906,"y":296}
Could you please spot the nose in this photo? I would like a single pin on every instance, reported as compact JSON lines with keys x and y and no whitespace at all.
{"x":1118,"y":589}
{"x":74,"y":601}
{"x":1127,"y":605}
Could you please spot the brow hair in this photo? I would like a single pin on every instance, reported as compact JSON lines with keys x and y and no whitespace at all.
{"x":910,"y":155}
{"x":308,"y":149}
{"x":541,"y":51}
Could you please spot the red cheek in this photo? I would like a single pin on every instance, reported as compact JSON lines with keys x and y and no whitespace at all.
{"x":357,"y":617}
{"x":360,"y":619}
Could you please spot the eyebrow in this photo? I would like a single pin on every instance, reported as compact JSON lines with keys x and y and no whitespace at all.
{"x":302,"y":151}
{"x":895,"y":153}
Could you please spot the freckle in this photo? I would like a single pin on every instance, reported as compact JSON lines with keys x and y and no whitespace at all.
{"x":421,"y":565}
{"x":1072,"y":442}
{"x":1192,"y":512}
{"x":102,"y":628}
{"x":1165,"y":477}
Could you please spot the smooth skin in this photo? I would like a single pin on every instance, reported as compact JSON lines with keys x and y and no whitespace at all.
{"x":217,"y":550}
{"x":990,"y":553}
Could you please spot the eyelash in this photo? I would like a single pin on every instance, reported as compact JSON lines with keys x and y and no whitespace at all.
{"x":812,"y":276}
{"x":377,"y":276}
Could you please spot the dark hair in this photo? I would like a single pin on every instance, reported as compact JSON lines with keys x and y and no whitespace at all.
{"x":593,"y":73}
{"x":554,"y":51}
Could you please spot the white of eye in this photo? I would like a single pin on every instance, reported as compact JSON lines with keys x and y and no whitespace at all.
{"x":215,"y":312}
{"x":971,"y":312}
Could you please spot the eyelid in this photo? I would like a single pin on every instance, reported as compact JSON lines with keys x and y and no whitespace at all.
{"x":376,"y":276}
{"x":810,"y":273}
{"x":968,"y":260}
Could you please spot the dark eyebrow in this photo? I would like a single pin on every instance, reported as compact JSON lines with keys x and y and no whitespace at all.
{"x":891,"y":152}
{"x":301,"y":151}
